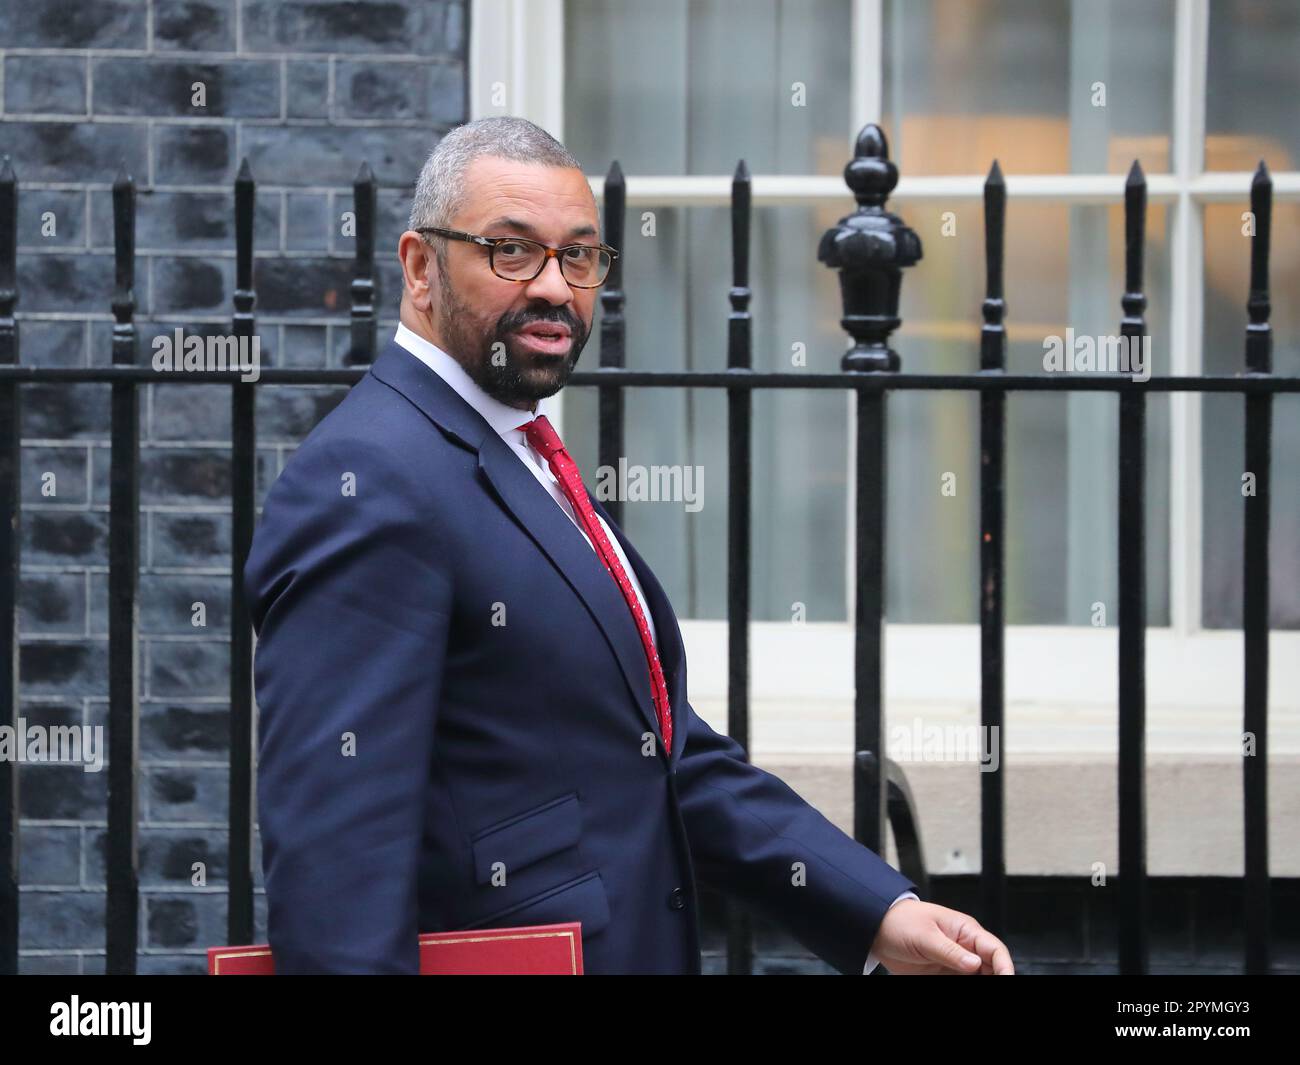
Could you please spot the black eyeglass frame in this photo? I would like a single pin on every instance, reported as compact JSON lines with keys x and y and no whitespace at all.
{"x":491,"y":244}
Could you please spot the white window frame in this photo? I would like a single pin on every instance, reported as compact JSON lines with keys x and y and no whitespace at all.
{"x":517,"y":50}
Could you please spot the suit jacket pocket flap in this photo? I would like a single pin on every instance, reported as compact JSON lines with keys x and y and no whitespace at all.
{"x":528,"y":837}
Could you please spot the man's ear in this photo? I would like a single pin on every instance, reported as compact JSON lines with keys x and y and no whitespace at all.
{"x":419,"y":270}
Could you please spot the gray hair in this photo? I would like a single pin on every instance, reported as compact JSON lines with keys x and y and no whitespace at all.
{"x":440,"y":190}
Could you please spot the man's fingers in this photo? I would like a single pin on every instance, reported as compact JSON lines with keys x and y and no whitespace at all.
{"x":949,"y":953}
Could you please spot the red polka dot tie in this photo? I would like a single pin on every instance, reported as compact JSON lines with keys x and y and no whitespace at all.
{"x":542,"y":435}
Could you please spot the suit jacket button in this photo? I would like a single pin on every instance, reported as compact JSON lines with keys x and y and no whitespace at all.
{"x":677,"y":899}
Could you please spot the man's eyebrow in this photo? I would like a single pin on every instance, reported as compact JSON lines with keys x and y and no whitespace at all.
{"x":526,"y":228}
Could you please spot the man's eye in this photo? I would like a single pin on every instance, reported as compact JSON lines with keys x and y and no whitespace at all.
{"x":513,"y":248}
{"x":580,"y":254}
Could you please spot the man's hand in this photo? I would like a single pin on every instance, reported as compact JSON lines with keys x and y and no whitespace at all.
{"x":921,"y":939}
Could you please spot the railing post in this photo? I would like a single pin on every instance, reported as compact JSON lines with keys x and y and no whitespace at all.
{"x":870,"y":248}
{"x":992,"y":580}
{"x":123,"y":902}
{"x":10,"y":541}
{"x":363,"y":269}
{"x":243,"y":503}
{"x":740,"y":360}
{"x":1133,"y":925}
{"x":613,"y":334}
{"x":1255,"y":578}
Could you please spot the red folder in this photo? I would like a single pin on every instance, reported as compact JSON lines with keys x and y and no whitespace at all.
{"x":531,"y":950}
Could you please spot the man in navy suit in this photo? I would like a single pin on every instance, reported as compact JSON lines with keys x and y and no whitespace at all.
{"x":466,"y":673}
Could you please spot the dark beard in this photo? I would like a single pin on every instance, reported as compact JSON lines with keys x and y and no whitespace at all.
{"x":519,"y":378}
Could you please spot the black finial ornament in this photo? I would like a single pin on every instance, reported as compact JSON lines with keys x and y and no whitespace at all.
{"x":870,"y":248}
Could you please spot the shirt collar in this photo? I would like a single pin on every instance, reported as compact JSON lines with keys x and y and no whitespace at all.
{"x":501,"y":416}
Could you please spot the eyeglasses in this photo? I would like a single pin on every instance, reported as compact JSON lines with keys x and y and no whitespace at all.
{"x":520,"y":259}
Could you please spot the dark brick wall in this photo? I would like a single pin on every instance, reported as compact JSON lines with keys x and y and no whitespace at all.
{"x":306,"y":90}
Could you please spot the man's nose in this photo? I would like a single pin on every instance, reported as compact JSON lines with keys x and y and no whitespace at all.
{"x":550,"y":285}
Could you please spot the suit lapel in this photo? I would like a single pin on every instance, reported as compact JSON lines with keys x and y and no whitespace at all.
{"x":537,"y":513}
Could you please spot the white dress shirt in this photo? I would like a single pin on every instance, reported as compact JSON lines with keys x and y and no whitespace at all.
{"x":504,"y":419}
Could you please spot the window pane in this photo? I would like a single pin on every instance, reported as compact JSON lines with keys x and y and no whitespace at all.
{"x":1064,"y":270}
{"x":1045,"y":86}
{"x":1227,"y":283}
{"x":690,"y":88}
{"x":1253,"y":83}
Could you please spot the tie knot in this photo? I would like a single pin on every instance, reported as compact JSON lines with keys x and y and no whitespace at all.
{"x":542,"y":435}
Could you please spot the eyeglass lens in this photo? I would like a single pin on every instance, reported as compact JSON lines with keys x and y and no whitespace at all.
{"x":522,"y":260}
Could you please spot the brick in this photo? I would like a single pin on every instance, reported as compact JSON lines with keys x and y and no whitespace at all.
{"x":66,"y":412}
{"x":190,"y":919}
{"x":189,"y":539}
{"x":166,"y":604}
{"x":304,"y":345}
{"x":185,"y":285}
{"x":382,"y":89}
{"x":447,"y":105}
{"x":49,"y":856}
{"x":51,"y":713}
{"x":421,"y":27}
{"x":62,"y":793}
{"x":194,"y":221}
{"x":154,"y":964}
{"x":64,"y":667}
{"x":307,"y":222}
{"x":175,"y":475}
{"x":190,"y":412}
{"x":98,"y":609}
{"x":189,"y":668}
{"x":51,"y":218}
{"x":45,"y":85}
{"x":304,"y":287}
{"x":56,"y":343}
{"x":166,"y":856}
{"x":76,"y":151}
{"x":62,"y":920}
{"x":73,"y":24}
{"x":292,"y":411}
{"x":194,"y":155}
{"x":179,"y":731}
{"x":64,"y":537}
{"x":52,"y":604}
{"x":68,"y":465}
{"x":307,"y":89}
{"x":189,"y":794}
{"x":66,"y":282}
{"x":237,"y":88}
{"x":325,"y":155}
{"x":49,"y":964}
{"x":194,"y":25}
{"x":268,"y":469}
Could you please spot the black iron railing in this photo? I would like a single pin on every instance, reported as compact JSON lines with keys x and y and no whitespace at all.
{"x":869,"y":247}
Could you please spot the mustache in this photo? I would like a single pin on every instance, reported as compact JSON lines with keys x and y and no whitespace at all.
{"x":509,"y":323}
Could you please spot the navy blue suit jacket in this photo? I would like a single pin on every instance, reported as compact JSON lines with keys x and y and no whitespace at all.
{"x":456,"y":728}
